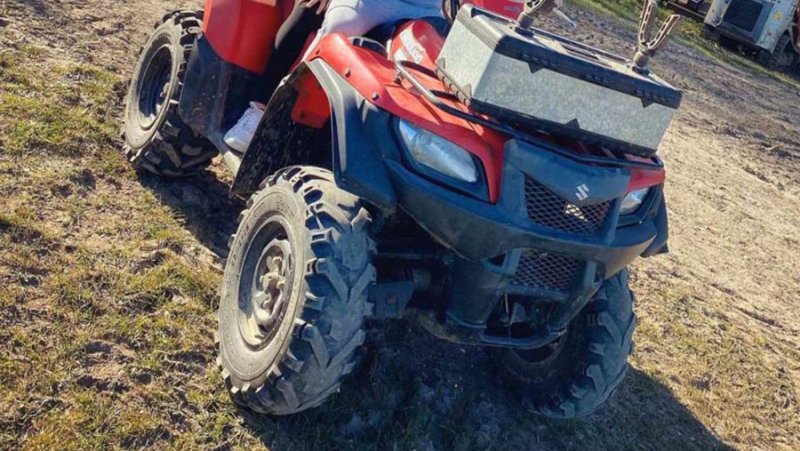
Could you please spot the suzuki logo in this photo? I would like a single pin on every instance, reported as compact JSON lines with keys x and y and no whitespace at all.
{"x":412,"y":47}
{"x":583,"y":192}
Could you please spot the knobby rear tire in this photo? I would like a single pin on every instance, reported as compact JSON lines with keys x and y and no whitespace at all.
{"x":168,"y":147}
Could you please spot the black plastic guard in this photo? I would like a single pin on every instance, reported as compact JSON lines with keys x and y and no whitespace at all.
{"x":661,"y":220}
{"x":565,"y":177}
{"x":361,"y":140}
{"x":463,"y":224}
{"x":215,"y":92}
{"x":274,"y":139}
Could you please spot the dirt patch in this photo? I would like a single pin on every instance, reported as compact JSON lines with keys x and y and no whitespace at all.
{"x":107,"y":279}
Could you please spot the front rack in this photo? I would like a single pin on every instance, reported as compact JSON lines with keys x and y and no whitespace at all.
{"x":403,"y":72}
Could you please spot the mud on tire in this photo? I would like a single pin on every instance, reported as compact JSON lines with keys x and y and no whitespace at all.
{"x":315,"y":340}
{"x":156,"y":139}
{"x":587,"y":366}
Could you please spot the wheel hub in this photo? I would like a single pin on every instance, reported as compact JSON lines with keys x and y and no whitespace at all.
{"x":154,"y":87}
{"x":270,"y":289}
{"x":544,"y":355}
{"x":269,"y":297}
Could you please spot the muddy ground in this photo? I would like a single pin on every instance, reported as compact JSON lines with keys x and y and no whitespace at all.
{"x":89,"y":361}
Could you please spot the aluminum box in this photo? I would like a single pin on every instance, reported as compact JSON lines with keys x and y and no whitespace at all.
{"x":536,"y":79}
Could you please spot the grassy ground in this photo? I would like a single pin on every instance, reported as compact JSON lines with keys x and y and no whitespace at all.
{"x":107,"y":301}
{"x":108,"y":287}
{"x":106,"y":312}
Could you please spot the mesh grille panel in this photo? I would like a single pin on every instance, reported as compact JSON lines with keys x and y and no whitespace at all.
{"x":743,"y":14}
{"x":546,"y":271}
{"x":546,"y":208}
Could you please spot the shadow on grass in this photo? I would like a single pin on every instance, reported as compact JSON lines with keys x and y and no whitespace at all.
{"x":203,"y":200}
{"x":416,"y":392}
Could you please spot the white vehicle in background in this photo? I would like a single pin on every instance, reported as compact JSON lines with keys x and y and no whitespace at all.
{"x":769,"y":27}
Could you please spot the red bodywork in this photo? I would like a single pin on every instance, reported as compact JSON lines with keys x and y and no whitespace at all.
{"x":373,"y":76}
{"x":243,"y":32}
{"x":416,"y":41}
{"x":508,"y":8}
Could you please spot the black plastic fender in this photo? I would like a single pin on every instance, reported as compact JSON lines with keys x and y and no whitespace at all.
{"x":362,"y":139}
{"x":278,"y":142}
{"x":360,"y":133}
{"x":215,"y":92}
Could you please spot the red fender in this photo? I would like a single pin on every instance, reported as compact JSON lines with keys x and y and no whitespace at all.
{"x":312,"y":107}
{"x":416,"y":41}
{"x":507,"y":8}
{"x":243,"y":32}
{"x":643,"y":178}
{"x":374,"y":78}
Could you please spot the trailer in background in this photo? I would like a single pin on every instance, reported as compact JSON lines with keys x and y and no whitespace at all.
{"x":768,"y":27}
{"x":695,"y":9}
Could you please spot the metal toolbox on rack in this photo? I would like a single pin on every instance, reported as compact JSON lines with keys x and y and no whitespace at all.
{"x":532,"y":78}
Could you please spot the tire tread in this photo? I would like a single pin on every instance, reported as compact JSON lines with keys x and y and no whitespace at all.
{"x":329,"y":329}
{"x":599,"y":366}
{"x":175,"y":150}
{"x":611,"y":335}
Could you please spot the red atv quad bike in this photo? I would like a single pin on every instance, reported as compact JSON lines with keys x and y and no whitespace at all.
{"x":462,"y":172}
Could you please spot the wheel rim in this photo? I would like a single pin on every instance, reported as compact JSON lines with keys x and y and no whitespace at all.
{"x":154,"y":87}
{"x":266,"y":285}
{"x":785,"y":58}
{"x":542,"y":356}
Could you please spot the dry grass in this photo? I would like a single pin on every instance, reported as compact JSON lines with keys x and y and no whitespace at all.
{"x":108,"y":280}
{"x":106,"y":300}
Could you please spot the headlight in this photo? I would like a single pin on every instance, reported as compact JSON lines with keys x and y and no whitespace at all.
{"x":633,"y":201}
{"x":438,"y":153}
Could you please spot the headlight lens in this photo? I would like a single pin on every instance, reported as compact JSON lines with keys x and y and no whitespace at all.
{"x":633,"y":201}
{"x":438,"y":153}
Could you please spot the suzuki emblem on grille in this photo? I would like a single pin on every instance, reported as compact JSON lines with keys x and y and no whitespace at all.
{"x":583,"y":192}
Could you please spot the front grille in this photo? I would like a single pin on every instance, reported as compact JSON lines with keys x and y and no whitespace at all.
{"x":743,"y":14}
{"x":546,"y":271}
{"x":547,"y":209}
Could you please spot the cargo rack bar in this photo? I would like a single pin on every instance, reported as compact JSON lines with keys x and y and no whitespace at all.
{"x":403,"y":72}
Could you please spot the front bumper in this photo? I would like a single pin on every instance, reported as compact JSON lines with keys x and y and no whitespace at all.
{"x":497,"y":243}
{"x":503,"y":251}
